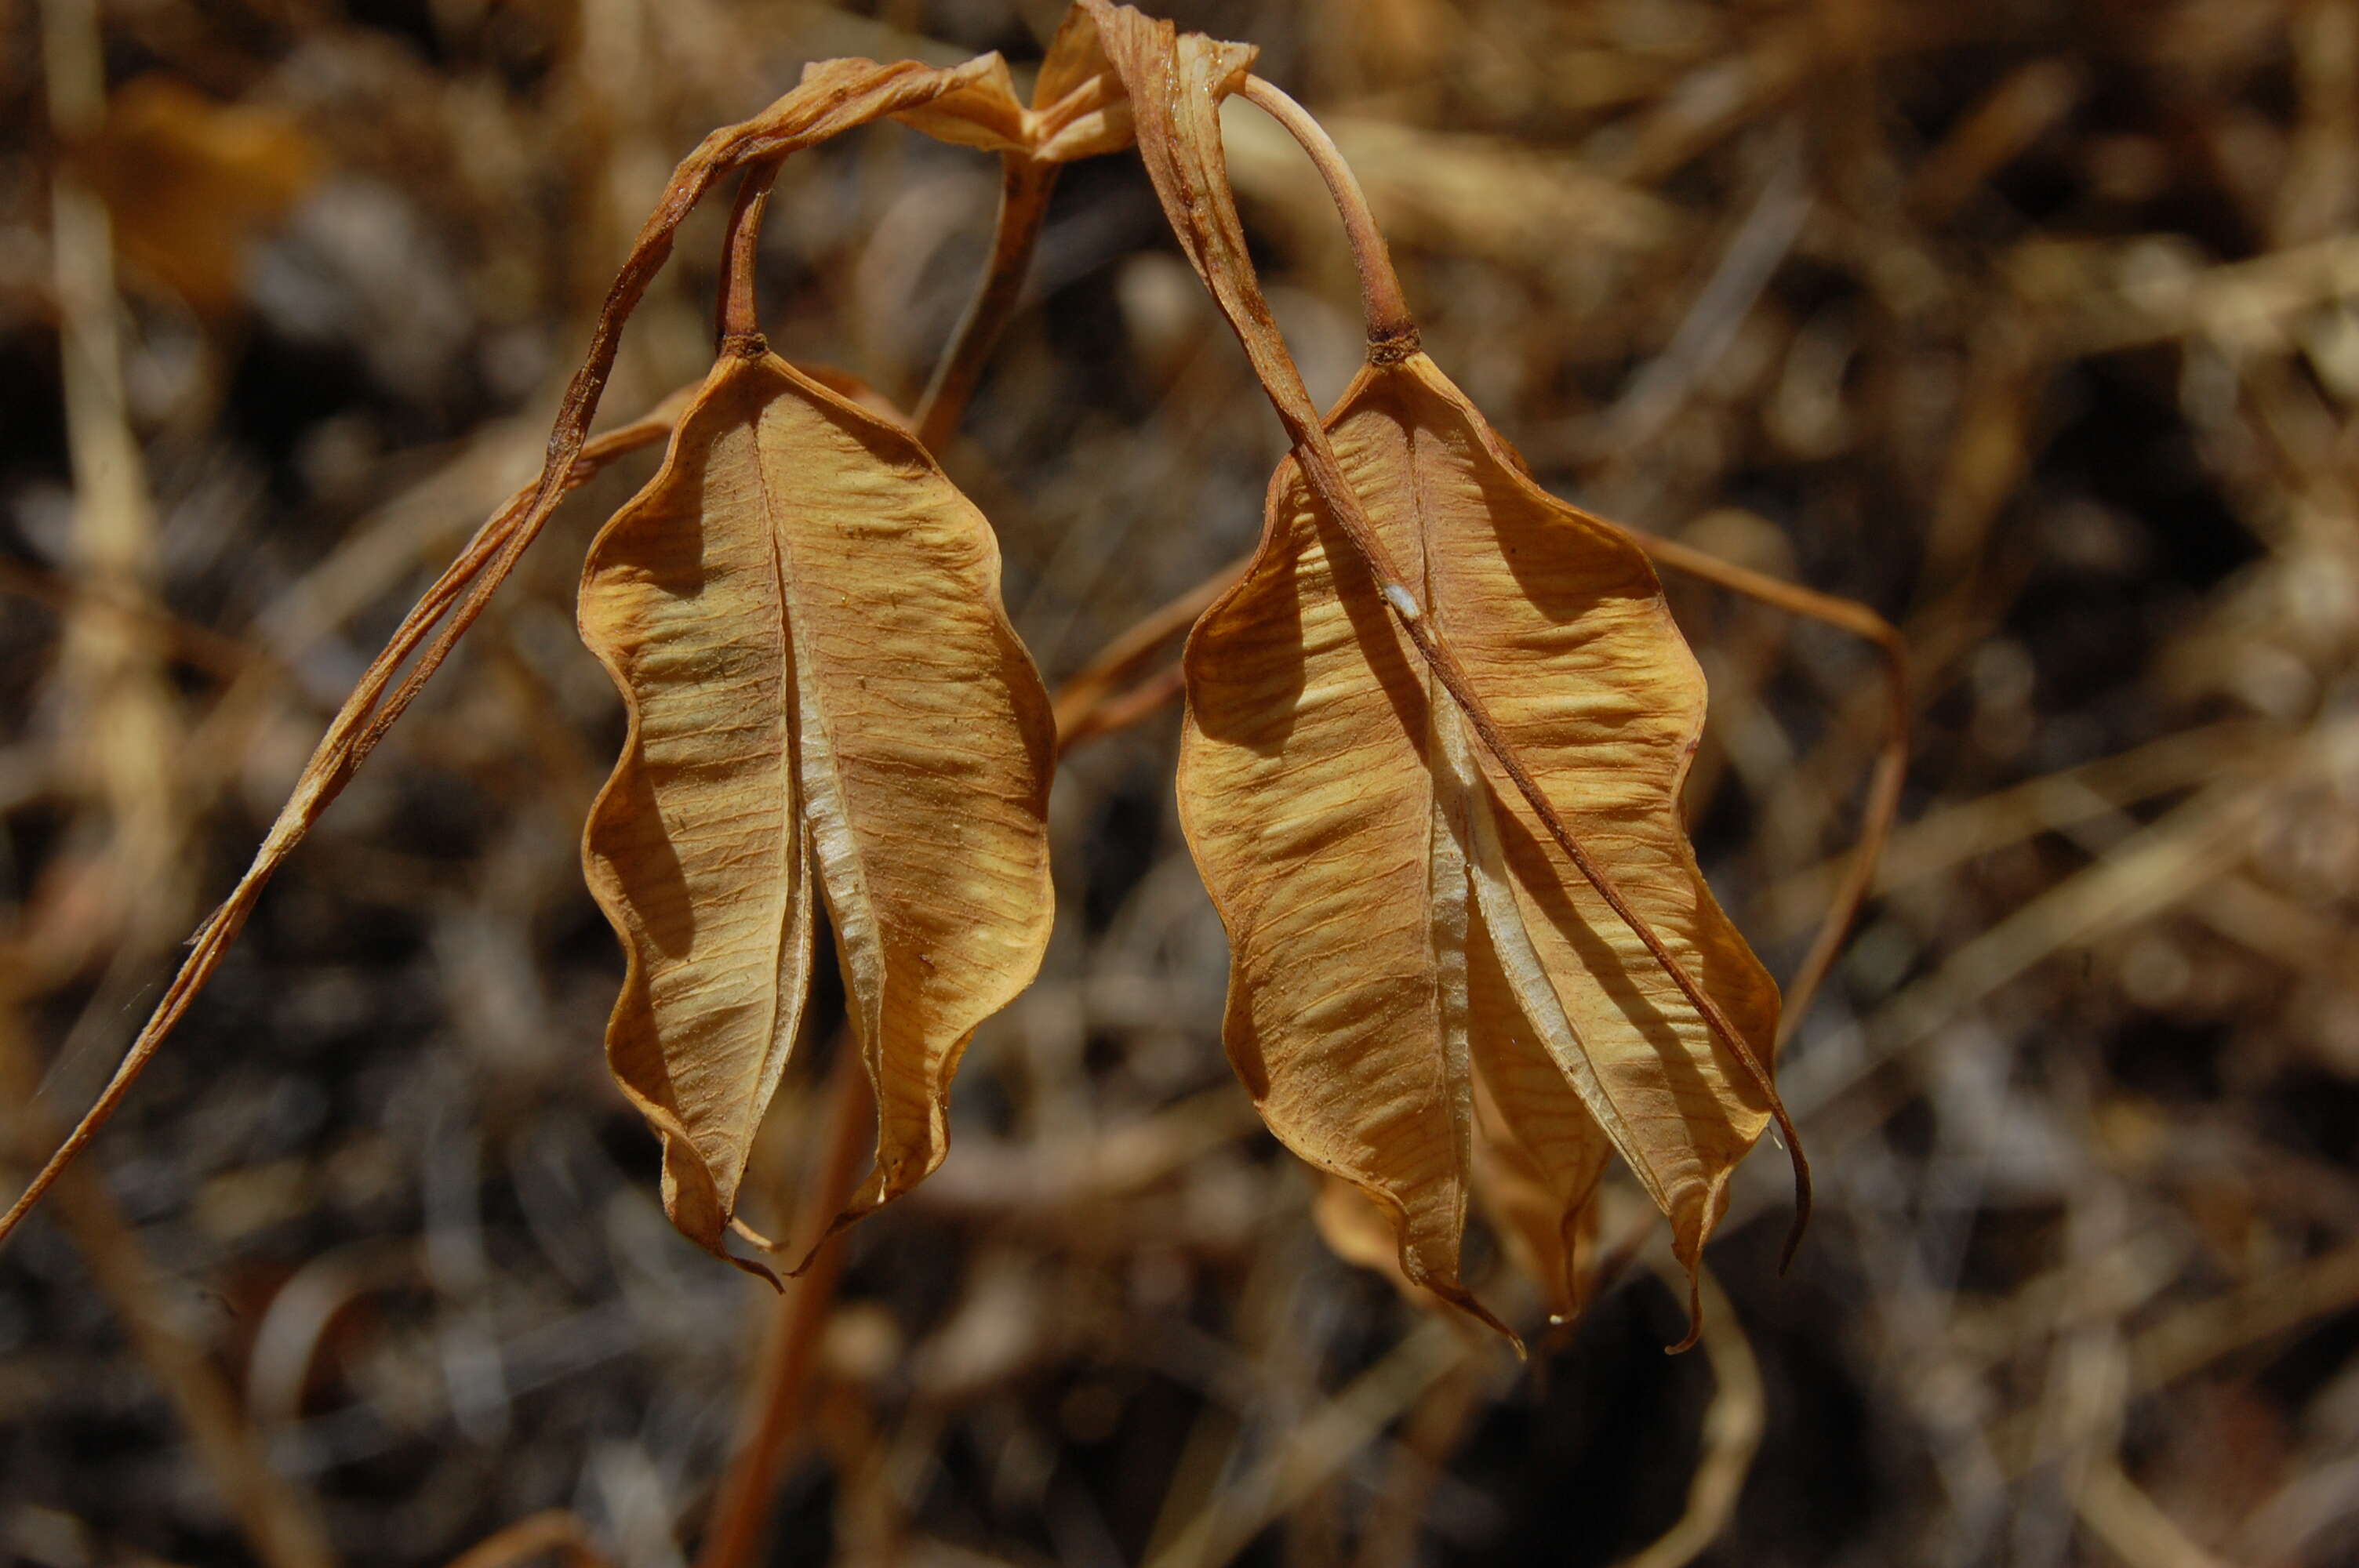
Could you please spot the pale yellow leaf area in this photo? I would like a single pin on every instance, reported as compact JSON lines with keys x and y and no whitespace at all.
{"x":825,"y":696}
{"x":1401,"y":926}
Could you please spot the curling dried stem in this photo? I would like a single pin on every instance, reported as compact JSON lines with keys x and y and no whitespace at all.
{"x":739,"y":324}
{"x":1883,"y":804}
{"x":1381,"y":298}
{"x":774,"y":1399}
{"x":1024,"y":189}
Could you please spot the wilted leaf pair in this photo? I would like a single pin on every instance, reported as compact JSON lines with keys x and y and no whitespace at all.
{"x":1431,"y":770}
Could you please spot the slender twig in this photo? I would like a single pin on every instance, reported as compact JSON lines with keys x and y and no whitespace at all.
{"x":1382,"y":300}
{"x":1024,"y":184}
{"x":737,"y":325}
{"x":110,"y":675}
{"x":1324,"y":1441}
{"x":1883,"y":803}
{"x":774,"y":1399}
{"x":200,"y":647}
{"x":1433,"y":1428}
{"x":1200,"y":204}
{"x":1122,"y":711}
{"x":1082,"y":703}
{"x":553,"y":1530}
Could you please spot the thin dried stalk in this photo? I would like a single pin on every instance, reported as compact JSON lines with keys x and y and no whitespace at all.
{"x":1883,"y":803}
{"x":775,"y":1398}
{"x":555,"y":1530}
{"x":1381,"y":299}
{"x":2133,"y":1526}
{"x":1428,"y":1436}
{"x":1121,"y":711}
{"x":201,"y":647}
{"x":737,"y":323}
{"x":1325,"y":1441}
{"x":1083,"y":702}
{"x":126,"y":732}
{"x":1024,"y":184}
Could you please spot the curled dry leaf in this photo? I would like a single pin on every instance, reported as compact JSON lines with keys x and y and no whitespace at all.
{"x":1432,"y":773}
{"x":802,"y":614}
{"x":1402,"y":926}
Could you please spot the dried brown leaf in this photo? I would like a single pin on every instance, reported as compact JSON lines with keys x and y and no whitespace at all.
{"x":1401,"y":925}
{"x":803,"y":616}
{"x":1437,"y":801}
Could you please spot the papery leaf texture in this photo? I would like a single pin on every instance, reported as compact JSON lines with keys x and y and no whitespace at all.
{"x":1403,"y":929}
{"x":826,"y":700}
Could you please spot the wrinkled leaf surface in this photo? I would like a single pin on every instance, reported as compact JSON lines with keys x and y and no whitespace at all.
{"x":825,"y":698}
{"x":1402,"y":928}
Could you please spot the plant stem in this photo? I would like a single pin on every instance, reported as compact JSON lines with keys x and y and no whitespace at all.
{"x":739,"y":324}
{"x":1085,"y":705}
{"x":1024,"y":187}
{"x":1381,"y":299}
{"x":1883,"y":803}
{"x":774,"y":1401}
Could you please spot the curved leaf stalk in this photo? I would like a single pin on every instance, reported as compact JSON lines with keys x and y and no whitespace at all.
{"x":1882,"y":806}
{"x":737,"y":317}
{"x":1025,"y":186}
{"x":1088,"y":705}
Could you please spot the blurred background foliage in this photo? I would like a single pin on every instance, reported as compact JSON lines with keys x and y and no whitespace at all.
{"x":2034,"y":324}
